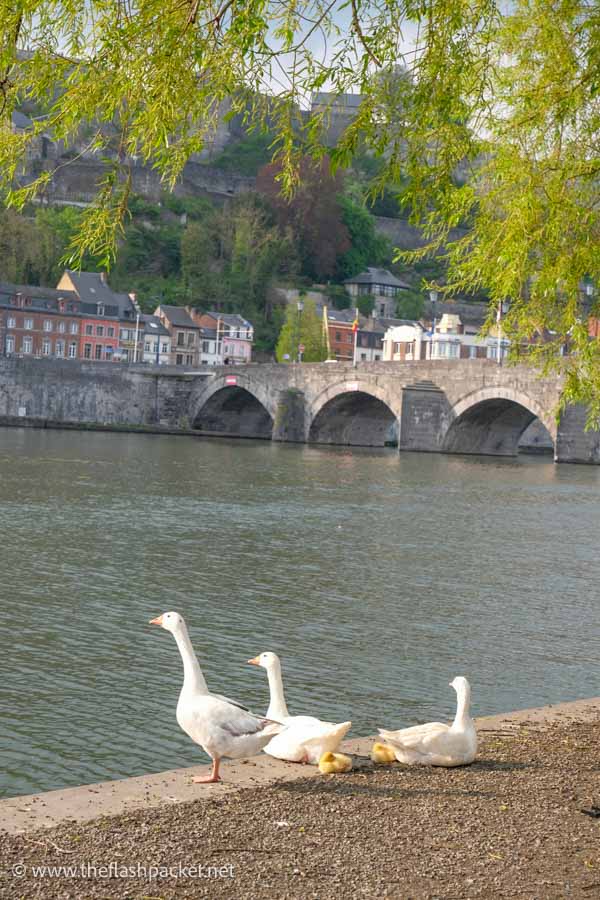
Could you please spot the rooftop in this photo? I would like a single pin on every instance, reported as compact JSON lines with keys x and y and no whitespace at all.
{"x":153,"y":325}
{"x":92,"y":287}
{"x":178,"y":316}
{"x":377,"y":276}
{"x":42,"y":298}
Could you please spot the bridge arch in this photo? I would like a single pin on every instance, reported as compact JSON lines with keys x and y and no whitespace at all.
{"x":492,"y":420}
{"x":353,"y":413}
{"x":232,"y":405}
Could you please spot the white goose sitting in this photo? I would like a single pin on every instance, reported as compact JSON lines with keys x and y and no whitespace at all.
{"x":305,"y":738}
{"x":220,"y":726}
{"x":436,"y":744}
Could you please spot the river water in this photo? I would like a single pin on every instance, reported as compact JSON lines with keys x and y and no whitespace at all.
{"x":377,"y":577}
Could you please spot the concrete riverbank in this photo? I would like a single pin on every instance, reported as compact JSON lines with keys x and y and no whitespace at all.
{"x":112,"y":798}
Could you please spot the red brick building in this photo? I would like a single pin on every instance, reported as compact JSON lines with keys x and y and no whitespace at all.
{"x":99,"y":337}
{"x":38,"y":321}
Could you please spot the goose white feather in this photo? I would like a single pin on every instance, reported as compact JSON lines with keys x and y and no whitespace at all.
{"x":305,"y":738}
{"x":436,"y":744}
{"x":219,"y":725}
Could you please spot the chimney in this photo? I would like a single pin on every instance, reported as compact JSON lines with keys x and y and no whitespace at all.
{"x":103,"y":278}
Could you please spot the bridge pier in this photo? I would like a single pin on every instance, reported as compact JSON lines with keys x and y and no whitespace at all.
{"x":424,"y":419}
{"x":573,"y":443}
{"x":289,"y":423}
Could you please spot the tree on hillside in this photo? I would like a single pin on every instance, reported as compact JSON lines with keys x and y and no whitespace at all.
{"x":314,"y":214}
{"x":302,"y":328}
{"x":491,"y":115}
{"x":367,"y":246}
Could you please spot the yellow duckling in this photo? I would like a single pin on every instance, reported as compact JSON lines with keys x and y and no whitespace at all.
{"x":334,"y":762}
{"x":383,"y":754}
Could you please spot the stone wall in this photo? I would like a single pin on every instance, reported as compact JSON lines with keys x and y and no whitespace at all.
{"x":77,"y":181}
{"x":73,"y":392}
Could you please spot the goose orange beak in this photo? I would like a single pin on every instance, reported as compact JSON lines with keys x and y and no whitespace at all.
{"x":255,"y":661}
{"x":156,"y":621}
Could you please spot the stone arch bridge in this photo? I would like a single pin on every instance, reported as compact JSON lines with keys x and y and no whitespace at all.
{"x":470,"y":406}
{"x":461,"y":406}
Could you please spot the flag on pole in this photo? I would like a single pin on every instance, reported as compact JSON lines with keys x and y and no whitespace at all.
{"x":355,"y":326}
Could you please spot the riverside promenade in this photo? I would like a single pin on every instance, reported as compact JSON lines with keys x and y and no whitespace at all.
{"x":514,"y":824}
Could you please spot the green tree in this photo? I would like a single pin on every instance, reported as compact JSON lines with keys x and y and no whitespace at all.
{"x":491,"y":116}
{"x":302,"y":328}
{"x":410,"y":305}
{"x":368,"y":247}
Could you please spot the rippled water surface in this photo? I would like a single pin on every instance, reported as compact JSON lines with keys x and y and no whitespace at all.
{"x":376,"y":577}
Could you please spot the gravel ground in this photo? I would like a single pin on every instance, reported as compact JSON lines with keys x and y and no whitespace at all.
{"x":510,"y":825}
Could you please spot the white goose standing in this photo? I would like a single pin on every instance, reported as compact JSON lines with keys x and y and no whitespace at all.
{"x":220,"y":726}
{"x":305,"y":738}
{"x":436,"y":744}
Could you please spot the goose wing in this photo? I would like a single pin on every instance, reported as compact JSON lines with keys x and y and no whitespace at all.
{"x":419,"y":736}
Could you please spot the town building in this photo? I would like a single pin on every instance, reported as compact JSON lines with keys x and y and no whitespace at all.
{"x":39,"y":322}
{"x":157,"y":341}
{"x":110,"y":329}
{"x":184,"y":332}
{"x":340,"y":333}
{"x":226,"y":339}
{"x":384,"y":288}
{"x":450,"y":340}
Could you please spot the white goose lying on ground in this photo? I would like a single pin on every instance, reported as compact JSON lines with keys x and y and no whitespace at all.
{"x":305,"y":738}
{"x":436,"y":744}
{"x":220,"y":726}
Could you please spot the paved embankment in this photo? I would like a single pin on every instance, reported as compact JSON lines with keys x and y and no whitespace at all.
{"x":81,"y":804}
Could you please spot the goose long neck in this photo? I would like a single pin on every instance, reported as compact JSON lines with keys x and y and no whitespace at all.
{"x":463,"y":704}
{"x":277,"y":705}
{"x":193,"y":679}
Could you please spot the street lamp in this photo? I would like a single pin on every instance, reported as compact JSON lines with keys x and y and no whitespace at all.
{"x":433,"y":296}
{"x":299,"y":307}
{"x":503,"y":307}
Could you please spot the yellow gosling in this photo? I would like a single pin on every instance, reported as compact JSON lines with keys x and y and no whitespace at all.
{"x":383,"y":754}
{"x":332,"y":763}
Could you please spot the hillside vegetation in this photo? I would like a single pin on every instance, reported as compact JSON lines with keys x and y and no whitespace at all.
{"x":229,"y":257}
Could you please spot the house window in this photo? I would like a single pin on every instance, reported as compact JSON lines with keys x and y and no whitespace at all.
{"x":100,"y":309}
{"x":87,"y":351}
{"x":47,"y":325}
{"x":89,"y":329}
{"x":363,"y":356}
{"x":124,"y":334}
{"x":165,"y":347}
{"x":377,"y":357}
{"x":472,"y":352}
{"x":46,"y":347}
{"x":191,"y":337}
{"x":28,"y":324}
{"x":61,"y":327}
{"x":74,"y":329}
{"x":59,"y":348}
{"x":179,"y":359}
{"x":110,"y":331}
{"x":205,"y":346}
{"x":189,"y":359}
{"x":338,"y":335}
{"x":109,"y":351}
{"x":72,"y":350}
{"x":147,"y":347}
{"x":180,"y":339}
{"x":10,"y":344}
{"x":27,"y":346}
{"x":11,"y":322}
{"x":98,"y":351}
{"x":100,"y":330}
